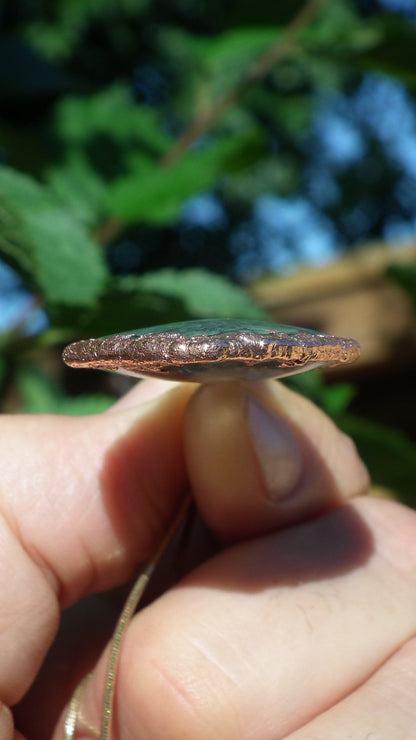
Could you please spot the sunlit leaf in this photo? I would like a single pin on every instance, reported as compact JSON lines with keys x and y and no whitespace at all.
{"x":47,"y":243}
{"x":203,"y":293}
{"x":157,"y":297}
{"x":110,"y":115}
{"x":79,"y":187}
{"x":125,"y":305}
{"x":155,"y":194}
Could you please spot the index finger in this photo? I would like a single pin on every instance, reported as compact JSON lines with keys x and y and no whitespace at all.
{"x":83,"y":500}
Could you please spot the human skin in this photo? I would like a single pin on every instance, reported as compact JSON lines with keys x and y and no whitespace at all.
{"x":299,"y":623}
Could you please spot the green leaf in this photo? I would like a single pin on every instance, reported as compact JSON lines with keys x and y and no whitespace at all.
{"x":46,"y":242}
{"x":59,"y":33}
{"x":388,"y":454}
{"x":234,"y":51}
{"x":333,"y":399}
{"x":337,"y":398}
{"x":125,"y":306}
{"x":102,"y":136}
{"x":110,"y":115}
{"x":155,"y":194}
{"x":204,"y":293}
{"x":78,"y":185}
{"x":340,"y":28}
{"x":235,"y":45}
{"x":278,"y":175}
{"x":40,"y":394}
{"x":163,"y":296}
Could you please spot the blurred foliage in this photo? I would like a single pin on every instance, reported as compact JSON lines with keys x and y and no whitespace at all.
{"x":390,"y":457}
{"x":42,"y":238}
{"x":118,"y":112}
{"x":40,"y":393}
{"x":405,"y":275}
{"x":333,"y":399}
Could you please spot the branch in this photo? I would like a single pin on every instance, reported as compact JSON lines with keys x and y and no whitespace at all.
{"x":202,"y":122}
{"x":257,"y":71}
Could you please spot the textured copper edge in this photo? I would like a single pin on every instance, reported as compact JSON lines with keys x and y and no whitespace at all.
{"x":156,"y":352}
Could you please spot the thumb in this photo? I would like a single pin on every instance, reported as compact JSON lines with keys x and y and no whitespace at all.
{"x":260,"y":456}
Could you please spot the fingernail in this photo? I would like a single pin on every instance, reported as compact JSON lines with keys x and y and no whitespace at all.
{"x":277,"y":450}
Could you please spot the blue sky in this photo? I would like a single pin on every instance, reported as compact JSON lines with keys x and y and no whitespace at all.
{"x":17,"y":304}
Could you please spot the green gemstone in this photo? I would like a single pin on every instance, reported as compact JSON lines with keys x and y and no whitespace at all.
{"x":209,"y":350}
{"x":212,"y":327}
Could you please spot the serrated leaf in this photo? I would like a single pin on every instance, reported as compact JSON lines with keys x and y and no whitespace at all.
{"x":125,"y":305}
{"x":155,"y":194}
{"x":159,"y":297}
{"x":204,"y":293}
{"x":46,"y":242}
{"x":113,"y":113}
{"x":80,"y":187}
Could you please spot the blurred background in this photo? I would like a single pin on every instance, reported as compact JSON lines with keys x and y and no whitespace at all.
{"x":184,"y":158}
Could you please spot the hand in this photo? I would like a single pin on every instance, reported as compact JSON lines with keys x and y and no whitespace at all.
{"x":299,"y":627}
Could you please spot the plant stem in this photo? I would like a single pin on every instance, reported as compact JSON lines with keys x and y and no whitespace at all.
{"x":203,"y":122}
{"x":255,"y":72}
